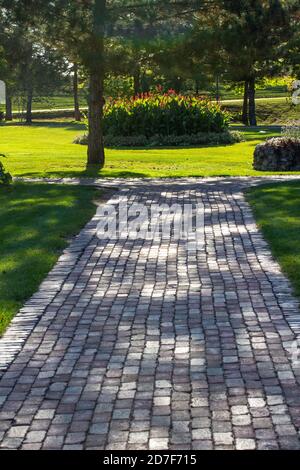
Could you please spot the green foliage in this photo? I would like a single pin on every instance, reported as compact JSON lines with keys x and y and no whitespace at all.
{"x":200,"y":139}
{"x":5,"y":177}
{"x":276,"y":82}
{"x":118,"y":86}
{"x":164,"y":115}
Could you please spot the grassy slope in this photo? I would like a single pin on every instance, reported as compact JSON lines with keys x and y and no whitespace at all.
{"x":269,"y":111}
{"x":67,"y":101}
{"x":35,"y":222}
{"x":57,"y":102}
{"x":272,"y":92}
{"x":46,"y":149}
{"x":277,"y":211}
{"x":276,"y":110}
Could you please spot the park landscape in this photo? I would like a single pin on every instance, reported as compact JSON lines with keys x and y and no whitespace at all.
{"x":128,"y":99}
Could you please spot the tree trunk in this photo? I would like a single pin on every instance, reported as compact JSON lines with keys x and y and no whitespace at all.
{"x":245,"y":118}
{"x":29,"y":106}
{"x":144,"y":84}
{"x":218,"y":89}
{"x":96,"y":102}
{"x":96,"y":155}
{"x":252,"y":107}
{"x":137,"y":82}
{"x":8,"y":106}
{"x":197,"y":86}
{"x":77,"y":114}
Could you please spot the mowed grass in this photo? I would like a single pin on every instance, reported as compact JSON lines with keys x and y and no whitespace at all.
{"x":55,"y":102}
{"x":269,"y":110}
{"x":276,"y":110}
{"x":277,"y":211}
{"x":67,"y":100}
{"x":36,"y":221}
{"x":46,"y":149}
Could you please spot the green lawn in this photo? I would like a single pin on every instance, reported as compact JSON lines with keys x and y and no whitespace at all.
{"x":35,"y":222}
{"x":270,"y":92}
{"x":272,"y":108}
{"x":277,"y":211}
{"x":57,"y":102}
{"x":46,"y":149}
{"x":269,"y":110}
{"x":67,"y":100}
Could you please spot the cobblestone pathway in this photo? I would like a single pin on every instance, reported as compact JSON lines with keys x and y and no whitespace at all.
{"x":147,"y":345}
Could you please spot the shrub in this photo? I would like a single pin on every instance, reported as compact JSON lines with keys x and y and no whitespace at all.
{"x":5,"y":177}
{"x":278,"y":154}
{"x":164,"y":115}
{"x":201,"y":138}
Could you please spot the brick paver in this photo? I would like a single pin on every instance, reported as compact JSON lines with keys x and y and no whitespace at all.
{"x":146,"y":345}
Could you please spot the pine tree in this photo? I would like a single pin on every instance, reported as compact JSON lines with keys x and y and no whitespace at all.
{"x":254,"y":34}
{"x":83,"y":26}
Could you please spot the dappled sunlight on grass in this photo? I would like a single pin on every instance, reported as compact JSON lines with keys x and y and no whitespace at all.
{"x":35,"y":222}
{"x":277,"y":211}
{"x":46,"y":149}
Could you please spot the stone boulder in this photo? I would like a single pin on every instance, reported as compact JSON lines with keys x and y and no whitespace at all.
{"x":278,"y":154}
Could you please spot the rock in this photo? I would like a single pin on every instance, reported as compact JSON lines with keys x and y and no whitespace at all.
{"x":278,"y":154}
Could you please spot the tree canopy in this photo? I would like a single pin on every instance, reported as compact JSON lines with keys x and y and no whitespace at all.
{"x":197,"y":40}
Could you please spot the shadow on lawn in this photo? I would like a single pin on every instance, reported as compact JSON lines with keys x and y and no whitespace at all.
{"x":277,"y":208}
{"x":67,"y":125}
{"x":36,"y":222}
{"x":177,"y":147}
{"x":87,"y":173}
{"x":94,"y":171}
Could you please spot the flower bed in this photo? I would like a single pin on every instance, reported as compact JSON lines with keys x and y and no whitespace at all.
{"x":164,"y":115}
{"x":169,"y":120}
{"x":200,"y":139}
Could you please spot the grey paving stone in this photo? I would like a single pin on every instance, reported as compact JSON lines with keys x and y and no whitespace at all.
{"x":145,"y":344}
{"x":245,"y":444}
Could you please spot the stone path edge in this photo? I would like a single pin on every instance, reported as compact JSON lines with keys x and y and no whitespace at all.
{"x":26,"y":319}
{"x":12,"y":342}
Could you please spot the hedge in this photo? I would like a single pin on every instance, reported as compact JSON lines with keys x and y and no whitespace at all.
{"x":169,"y":114}
{"x":202,"y":138}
